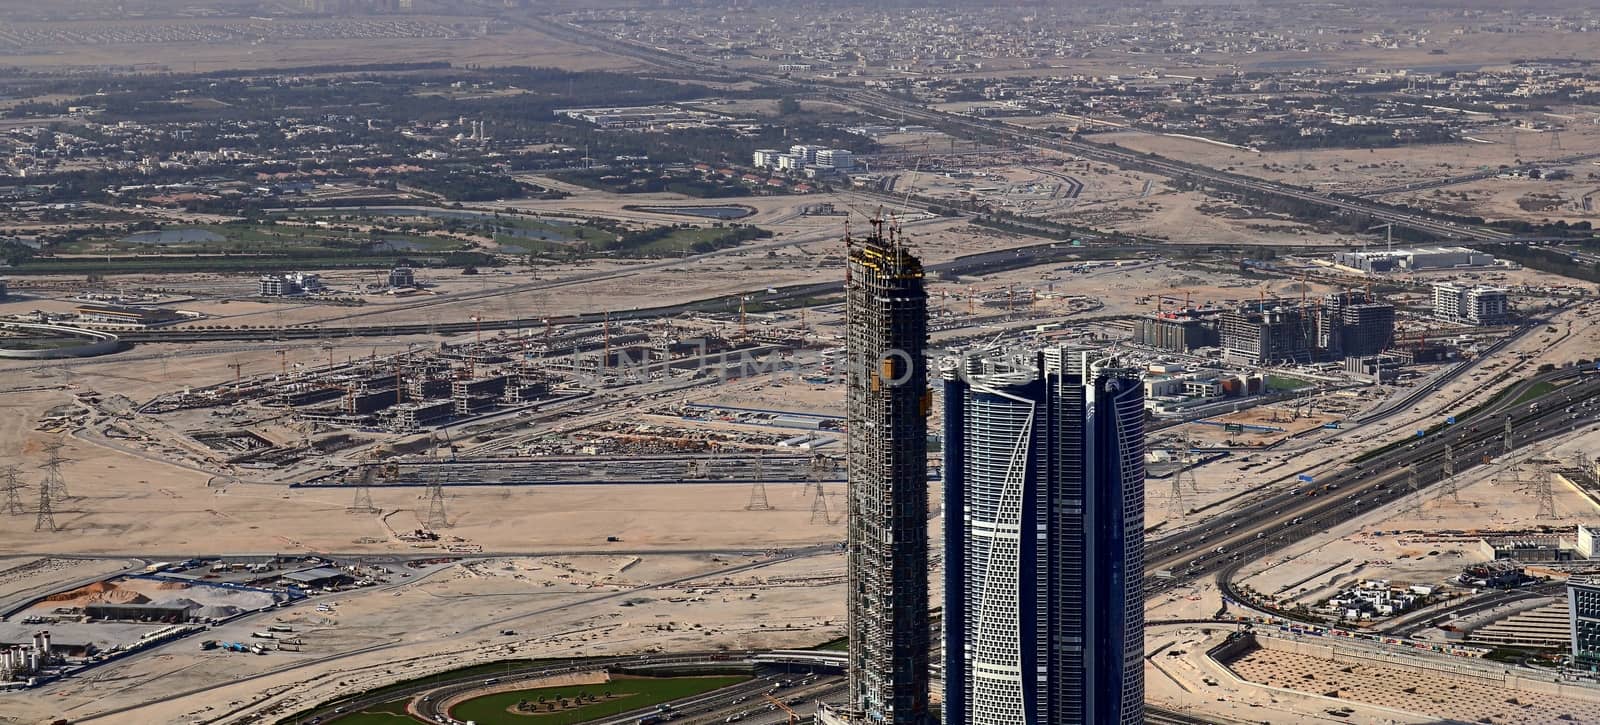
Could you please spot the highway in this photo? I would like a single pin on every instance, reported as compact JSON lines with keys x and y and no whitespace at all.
{"x":974,"y":264}
{"x":891,"y":107}
{"x":1272,"y":521}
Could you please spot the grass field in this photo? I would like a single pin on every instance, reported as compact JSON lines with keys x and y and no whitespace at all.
{"x":217,"y":238}
{"x":389,"y":713}
{"x":838,"y":645}
{"x":630,"y":693}
{"x":1537,"y":390}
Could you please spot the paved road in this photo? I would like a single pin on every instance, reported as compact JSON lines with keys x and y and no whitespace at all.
{"x":1253,"y":530}
{"x":893,"y":107}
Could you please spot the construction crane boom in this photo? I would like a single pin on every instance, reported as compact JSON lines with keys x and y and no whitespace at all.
{"x":794,"y":717}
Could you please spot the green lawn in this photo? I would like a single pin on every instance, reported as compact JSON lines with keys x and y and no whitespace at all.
{"x":1280,"y":383}
{"x":1537,"y":390}
{"x":838,"y":645}
{"x":256,"y":238}
{"x":389,"y":713}
{"x":632,"y":693}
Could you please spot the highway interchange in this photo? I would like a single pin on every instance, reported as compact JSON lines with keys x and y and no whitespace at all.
{"x":1291,"y":513}
{"x":1220,"y":544}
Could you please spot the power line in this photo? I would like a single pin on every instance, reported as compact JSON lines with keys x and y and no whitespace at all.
{"x":13,"y":485}
{"x":53,"y":483}
{"x":1413,"y":492}
{"x":47,"y":517}
{"x":437,"y":519}
{"x":819,"y":504}
{"x":1448,"y":485}
{"x":758,"y":491}
{"x":1544,"y":489}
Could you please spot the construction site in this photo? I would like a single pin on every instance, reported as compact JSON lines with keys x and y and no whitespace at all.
{"x":702,"y":444}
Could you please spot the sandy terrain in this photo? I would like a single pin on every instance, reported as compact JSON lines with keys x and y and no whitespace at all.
{"x":508,"y":45}
{"x":1356,"y":170}
{"x":1572,"y":200}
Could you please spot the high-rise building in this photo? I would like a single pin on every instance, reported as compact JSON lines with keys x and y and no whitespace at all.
{"x":1267,"y":333}
{"x":1354,"y":324}
{"x":1179,"y":331}
{"x":1044,"y":542}
{"x":886,"y":410}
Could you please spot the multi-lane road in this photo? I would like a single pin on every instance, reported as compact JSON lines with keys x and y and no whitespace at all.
{"x":892,"y":107}
{"x":1297,"y":510}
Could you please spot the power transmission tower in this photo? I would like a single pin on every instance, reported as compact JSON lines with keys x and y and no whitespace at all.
{"x":1413,"y":492}
{"x":1175,"y":501}
{"x":1509,"y":435}
{"x":819,"y":504}
{"x":13,"y":484}
{"x":1448,"y":485}
{"x":436,"y":500}
{"x":47,"y":517}
{"x":363,"y":498}
{"x":758,"y":491}
{"x":54,"y":485}
{"x":1547,"y":498}
{"x":436,"y":514}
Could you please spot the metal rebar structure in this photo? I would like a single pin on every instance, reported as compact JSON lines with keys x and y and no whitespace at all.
{"x":887,"y":403}
{"x":1544,"y":489}
{"x":758,"y":492}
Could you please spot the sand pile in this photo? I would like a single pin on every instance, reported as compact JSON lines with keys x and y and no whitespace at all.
{"x":117,"y":596}
{"x":83,"y":593}
{"x":217,"y":612}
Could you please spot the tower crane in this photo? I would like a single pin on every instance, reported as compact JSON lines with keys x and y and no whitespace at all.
{"x":794,"y":717}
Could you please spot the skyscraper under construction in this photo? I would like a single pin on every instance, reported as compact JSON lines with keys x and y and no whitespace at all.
{"x":887,"y":407}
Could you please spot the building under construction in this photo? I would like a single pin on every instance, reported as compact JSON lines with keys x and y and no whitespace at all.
{"x":1274,"y":332}
{"x":887,"y":406}
{"x":1269,"y":332}
{"x":1184,"y":330}
{"x":1355,"y":324}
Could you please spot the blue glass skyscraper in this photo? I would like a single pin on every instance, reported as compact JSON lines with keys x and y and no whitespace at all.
{"x":1044,"y":549}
